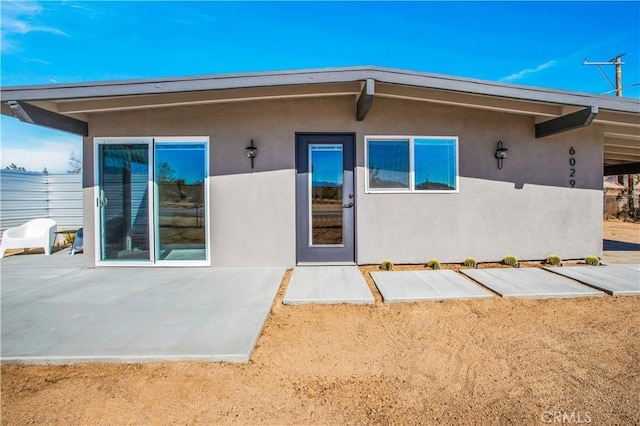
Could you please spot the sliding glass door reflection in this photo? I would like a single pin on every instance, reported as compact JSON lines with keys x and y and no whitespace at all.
{"x":180,"y":201}
{"x":124,"y":202}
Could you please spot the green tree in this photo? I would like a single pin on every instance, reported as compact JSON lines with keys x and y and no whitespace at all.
{"x":12,"y":166}
{"x":165,"y":173}
{"x":76,"y":163}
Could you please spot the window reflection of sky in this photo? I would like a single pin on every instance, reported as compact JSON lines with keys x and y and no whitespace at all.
{"x":326,"y":163}
{"x":131,"y":157}
{"x":185,"y":159}
{"x":389,"y":164}
{"x":435,"y":161}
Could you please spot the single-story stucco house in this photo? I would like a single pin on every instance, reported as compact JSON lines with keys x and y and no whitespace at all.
{"x":336,"y":166}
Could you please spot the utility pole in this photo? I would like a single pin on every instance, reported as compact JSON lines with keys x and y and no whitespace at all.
{"x":617,"y":62}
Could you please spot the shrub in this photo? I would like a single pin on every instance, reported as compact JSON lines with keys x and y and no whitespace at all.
{"x":471,"y":262}
{"x":433,"y":263}
{"x":386,"y":265}
{"x":592,"y":260}
{"x":68,"y":235}
{"x":510,"y":260}
{"x":554,"y":260}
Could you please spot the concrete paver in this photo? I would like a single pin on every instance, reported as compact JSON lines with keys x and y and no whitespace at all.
{"x":327,"y":285}
{"x":620,"y":252}
{"x":617,"y":280}
{"x":530,"y":283}
{"x":132,"y":314}
{"x":414,"y":286}
{"x":621,"y":257}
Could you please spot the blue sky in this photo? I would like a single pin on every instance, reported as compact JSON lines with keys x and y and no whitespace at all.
{"x":530,"y":43}
{"x":327,"y":164}
{"x":187,"y":161}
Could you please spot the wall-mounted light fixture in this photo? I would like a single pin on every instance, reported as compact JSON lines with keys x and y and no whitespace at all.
{"x":501,"y":154}
{"x":252,"y":152}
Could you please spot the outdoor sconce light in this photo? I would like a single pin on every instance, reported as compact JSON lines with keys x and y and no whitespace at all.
{"x":252,"y":152}
{"x":501,"y":154}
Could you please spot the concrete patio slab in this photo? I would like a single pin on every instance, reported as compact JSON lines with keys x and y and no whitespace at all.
{"x":26,"y":269}
{"x":529,"y":283}
{"x":620,"y":252}
{"x":416,"y":286}
{"x":132,"y":314}
{"x":327,"y":285}
{"x":617,"y":280}
{"x":621,"y":257}
{"x":632,"y":266}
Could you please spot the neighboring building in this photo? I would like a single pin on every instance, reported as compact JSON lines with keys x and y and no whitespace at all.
{"x":613,"y":202}
{"x":352,"y":165}
{"x":617,"y":196}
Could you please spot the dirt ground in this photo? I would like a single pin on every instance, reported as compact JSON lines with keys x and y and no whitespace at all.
{"x":622,"y":231}
{"x":497,"y":361}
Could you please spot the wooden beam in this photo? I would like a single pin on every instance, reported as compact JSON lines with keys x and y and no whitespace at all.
{"x":32,"y":114}
{"x":206,"y":97}
{"x":466,"y":100}
{"x":621,"y":132}
{"x":365,"y":100}
{"x":622,"y":169}
{"x":622,"y":150}
{"x":567,"y":122}
{"x":627,"y":143}
{"x":6,"y":109}
{"x":619,"y":118}
{"x":611,"y":156}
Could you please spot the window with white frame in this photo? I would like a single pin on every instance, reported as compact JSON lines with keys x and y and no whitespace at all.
{"x":412,"y":163}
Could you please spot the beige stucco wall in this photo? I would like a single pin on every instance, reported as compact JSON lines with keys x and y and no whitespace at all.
{"x":524,"y":209}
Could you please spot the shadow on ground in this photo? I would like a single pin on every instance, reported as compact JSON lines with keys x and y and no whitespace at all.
{"x":612,"y":245}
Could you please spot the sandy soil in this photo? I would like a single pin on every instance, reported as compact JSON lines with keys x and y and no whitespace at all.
{"x":622,"y":231}
{"x":495,"y":361}
{"x":500,"y":360}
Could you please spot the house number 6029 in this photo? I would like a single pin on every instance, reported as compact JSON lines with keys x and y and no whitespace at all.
{"x":572,"y":163}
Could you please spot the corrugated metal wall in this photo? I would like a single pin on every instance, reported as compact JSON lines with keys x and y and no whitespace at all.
{"x":25,"y":196}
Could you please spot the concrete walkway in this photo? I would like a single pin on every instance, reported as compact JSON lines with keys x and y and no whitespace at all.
{"x":529,"y":283}
{"x":327,"y":285}
{"x":415,"y":286}
{"x":55,"y":312}
{"x":617,"y":280}
{"x":620,"y":252}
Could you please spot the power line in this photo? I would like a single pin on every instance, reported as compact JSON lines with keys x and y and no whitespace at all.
{"x":625,"y":87}
{"x":618,"y":64}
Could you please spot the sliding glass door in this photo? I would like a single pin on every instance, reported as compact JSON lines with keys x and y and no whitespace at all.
{"x":152,"y":205}
{"x":123,"y":201}
{"x":180,"y":200}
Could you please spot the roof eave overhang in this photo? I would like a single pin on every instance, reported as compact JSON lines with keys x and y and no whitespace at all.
{"x":554,"y":111}
{"x":312,"y":77}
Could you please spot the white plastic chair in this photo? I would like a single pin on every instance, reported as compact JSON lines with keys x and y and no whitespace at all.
{"x":35,"y":233}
